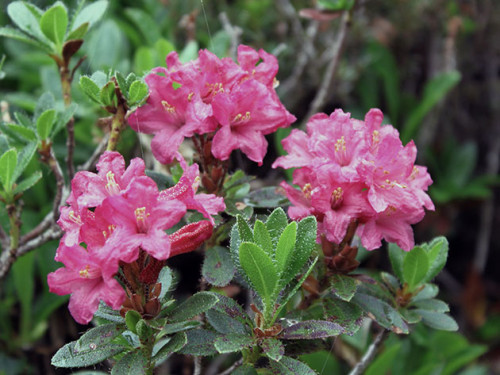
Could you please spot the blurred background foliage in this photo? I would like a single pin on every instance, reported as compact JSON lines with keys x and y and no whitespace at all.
{"x":432,"y":67}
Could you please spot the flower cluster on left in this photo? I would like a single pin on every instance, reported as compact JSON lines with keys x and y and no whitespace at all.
{"x":115,"y":242}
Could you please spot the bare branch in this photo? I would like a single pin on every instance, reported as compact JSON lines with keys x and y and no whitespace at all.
{"x":89,"y":164}
{"x":4,"y":238}
{"x":370,"y":354}
{"x":233,"y":367}
{"x":335,"y":52}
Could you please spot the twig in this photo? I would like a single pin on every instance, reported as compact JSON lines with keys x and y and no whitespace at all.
{"x":4,"y":239}
{"x":197,"y":366}
{"x":370,"y":354}
{"x":56,"y":169}
{"x":213,"y":367}
{"x":7,"y":259}
{"x":236,"y":364}
{"x":234,"y":33}
{"x":335,"y":52}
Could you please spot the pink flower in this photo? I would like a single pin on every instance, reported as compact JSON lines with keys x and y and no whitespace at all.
{"x":354,"y":170}
{"x":185,"y":191}
{"x":246,"y":115}
{"x":83,"y":279}
{"x":143,"y":218}
{"x":171,"y":114}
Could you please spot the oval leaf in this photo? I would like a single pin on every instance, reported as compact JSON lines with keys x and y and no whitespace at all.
{"x":8,"y":162}
{"x":218,"y":268}
{"x":45,"y":122}
{"x":54,"y":22}
{"x":415,"y":266}
{"x":197,"y":304}
{"x":311,"y":329}
{"x":285,"y":247}
{"x":233,"y":343}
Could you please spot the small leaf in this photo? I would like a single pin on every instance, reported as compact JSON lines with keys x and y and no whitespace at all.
{"x":45,"y":122}
{"x":200,"y":342}
{"x":245,"y":370}
{"x":108,"y":94}
{"x":93,"y":347}
{"x":410,"y":316}
{"x":348,"y":315}
{"x":23,"y":131}
{"x":244,"y":230}
{"x":311,"y":329}
{"x":382,"y":312}
{"x":21,"y":15}
{"x":90,"y":14}
{"x":197,"y":304}
{"x":266,"y":197}
{"x":290,"y":366}
{"x":276,"y":224}
{"x":273,"y":348}
{"x":228,"y":317}
{"x":131,"y":363}
{"x":437,"y":252}
{"x":260,"y":270}
{"x":344,"y":286}
{"x":79,"y":32}
{"x":122,"y":83}
{"x":90,"y":88}
{"x":137,"y":93}
{"x":106,"y":312}
{"x":262,"y":238}
{"x":438,"y":320}
{"x":8,"y":162}
{"x":28,"y":182}
{"x":132,"y":317}
{"x":168,"y":329}
{"x":165,"y":279}
{"x":397,"y":256}
{"x":9,"y":32}
{"x":54,"y":22}
{"x":285,"y":247}
{"x":233,"y":343}
{"x":432,"y":304}
{"x":218,"y":268}
{"x":415,"y":267}
{"x":176,"y":343}
{"x":429,"y":291}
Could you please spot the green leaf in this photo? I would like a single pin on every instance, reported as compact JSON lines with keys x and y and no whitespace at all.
{"x":168,"y":329}
{"x":266,"y":197}
{"x":197,"y":304}
{"x":90,"y":14}
{"x":79,"y":32}
{"x":244,"y":230}
{"x":344,"y":286}
{"x":438,"y":320}
{"x":132,"y":317}
{"x":131,"y":364}
{"x":228,"y":317}
{"x":434,"y":91}
{"x":382,"y":312}
{"x":54,"y":23}
{"x":190,"y":52}
{"x":21,"y":15}
{"x":90,"y":88}
{"x":290,"y":366}
{"x":23,"y":131}
{"x":165,"y":279}
{"x":273,"y":348}
{"x":432,"y":304}
{"x":145,"y":23}
{"x":245,"y":370}
{"x":4,"y":144}
{"x":107,"y":313}
{"x":276,"y":224}
{"x":28,"y":182}
{"x":306,"y":242}
{"x":260,"y":270}
{"x":200,"y":342}
{"x":9,"y":32}
{"x":311,"y":329}
{"x":176,"y":343}
{"x":262,"y":238}
{"x":45,"y":122}
{"x":397,"y":256}
{"x":93,"y":347}
{"x":336,"y":5}
{"x":348,"y":315}
{"x":108,"y":94}
{"x":429,"y":291}
{"x":8,"y":162}
{"x":137,"y":93}
{"x":285,"y":247}
{"x":233,"y":343}
{"x":437,"y":252}
{"x":218,"y":268}
{"x":415,"y":267}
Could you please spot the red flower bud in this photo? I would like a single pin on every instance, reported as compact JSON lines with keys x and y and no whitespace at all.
{"x":190,"y":237}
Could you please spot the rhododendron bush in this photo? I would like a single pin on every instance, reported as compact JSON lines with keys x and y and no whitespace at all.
{"x":281,"y":273}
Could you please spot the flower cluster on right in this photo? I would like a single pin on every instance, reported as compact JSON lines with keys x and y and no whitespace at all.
{"x":354,"y":171}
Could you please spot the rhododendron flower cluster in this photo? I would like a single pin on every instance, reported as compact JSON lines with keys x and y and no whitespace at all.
{"x":116,"y":216}
{"x":236,"y":103}
{"x":355,"y":171}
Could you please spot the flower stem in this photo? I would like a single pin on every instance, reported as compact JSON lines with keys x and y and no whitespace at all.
{"x":116,"y":128}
